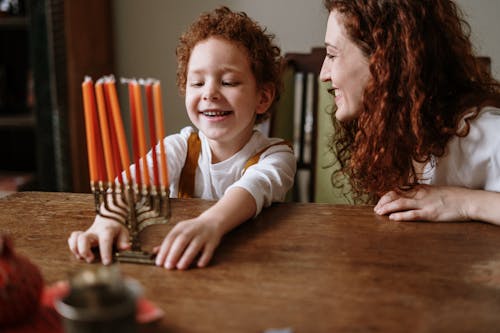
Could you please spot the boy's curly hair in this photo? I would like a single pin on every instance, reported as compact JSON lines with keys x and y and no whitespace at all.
{"x":265,"y":57}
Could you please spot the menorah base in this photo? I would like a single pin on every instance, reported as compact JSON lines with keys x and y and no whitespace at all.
{"x":136,"y":257}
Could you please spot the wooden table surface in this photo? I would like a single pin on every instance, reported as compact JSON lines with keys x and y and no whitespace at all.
{"x":305,"y":267}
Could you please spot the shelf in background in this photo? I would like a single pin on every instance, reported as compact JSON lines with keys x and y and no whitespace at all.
{"x":11,"y":181}
{"x":25,"y":120}
{"x":7,"y":23}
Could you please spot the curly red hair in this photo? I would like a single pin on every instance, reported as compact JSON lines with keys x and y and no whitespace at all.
{"x":424,"y":78}
{"x":265,"y":57}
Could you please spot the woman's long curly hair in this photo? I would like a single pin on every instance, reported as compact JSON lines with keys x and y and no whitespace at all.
{"x":265,"y":57}
{"x":424,"y":79}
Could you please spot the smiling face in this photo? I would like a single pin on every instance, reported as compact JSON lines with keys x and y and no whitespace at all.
{"x":222,"y":96}
{"x":346,"y":67}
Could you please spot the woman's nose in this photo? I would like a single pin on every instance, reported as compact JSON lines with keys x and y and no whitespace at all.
{"x":324,"y":74}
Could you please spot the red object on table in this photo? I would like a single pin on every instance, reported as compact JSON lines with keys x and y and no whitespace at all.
{"x":26,"y":306}
{"x":21,"y":285}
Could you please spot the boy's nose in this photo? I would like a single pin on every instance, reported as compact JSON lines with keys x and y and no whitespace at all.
{"x":211,"y":92}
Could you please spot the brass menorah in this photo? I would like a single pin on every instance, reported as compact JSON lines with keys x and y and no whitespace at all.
{"x":135,"y":202}
{"x":134,"y":209}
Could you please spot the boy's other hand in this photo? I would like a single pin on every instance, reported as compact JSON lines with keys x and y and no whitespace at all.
{"x":103,"y":233}
{"x":185,"y":241}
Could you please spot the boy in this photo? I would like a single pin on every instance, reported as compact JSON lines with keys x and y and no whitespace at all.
{"x":230,"y":74}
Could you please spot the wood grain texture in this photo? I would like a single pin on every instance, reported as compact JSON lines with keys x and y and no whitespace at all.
{"x":308,"y":267}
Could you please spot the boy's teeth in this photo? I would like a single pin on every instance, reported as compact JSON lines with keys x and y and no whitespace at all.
{"x":215,"y":113}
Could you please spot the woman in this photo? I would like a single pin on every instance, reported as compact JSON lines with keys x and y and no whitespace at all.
{"x":416,"y":116}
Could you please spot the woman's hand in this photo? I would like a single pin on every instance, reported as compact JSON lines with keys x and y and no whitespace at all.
{"x":185,"y":241}
{"x":430,"y":203}
{"x":441,"y":203}
{"x":103,"y":233}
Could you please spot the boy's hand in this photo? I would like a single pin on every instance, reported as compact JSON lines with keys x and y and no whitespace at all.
{"x":185,"y":241}
{"x":102,"y":233}
{"x":202,"y":234}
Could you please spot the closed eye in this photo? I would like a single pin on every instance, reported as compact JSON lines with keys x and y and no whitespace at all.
{"x":331,"y":56}
{"x":196,"y":84}
{"x":230,"y":83}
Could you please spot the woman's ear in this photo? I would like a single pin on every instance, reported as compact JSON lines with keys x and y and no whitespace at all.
{"x":266,"y":98}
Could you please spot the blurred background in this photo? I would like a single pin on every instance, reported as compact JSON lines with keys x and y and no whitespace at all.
{"x":48,"y":46}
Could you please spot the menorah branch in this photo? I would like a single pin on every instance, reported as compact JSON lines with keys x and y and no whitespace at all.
{"x":135,"y":210}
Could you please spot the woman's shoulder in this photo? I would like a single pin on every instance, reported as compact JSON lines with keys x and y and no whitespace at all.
{"x":471,"y":160}
{"x":489,"y":114}
{"x":482,"y":140}
{"x":483,"y":129}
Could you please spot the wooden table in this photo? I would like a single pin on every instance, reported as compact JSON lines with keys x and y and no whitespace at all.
{"x":306,"y":267}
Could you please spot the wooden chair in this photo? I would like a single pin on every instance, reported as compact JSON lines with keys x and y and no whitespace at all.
{"x":302,"y":116}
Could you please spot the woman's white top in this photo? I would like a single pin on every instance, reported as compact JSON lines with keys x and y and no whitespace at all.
{"x":472,"y":161}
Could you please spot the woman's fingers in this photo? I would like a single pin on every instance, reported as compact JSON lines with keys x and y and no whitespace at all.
{"x":409,"y":215}
{"x":397,"y":205}
{"x":385,"y":199}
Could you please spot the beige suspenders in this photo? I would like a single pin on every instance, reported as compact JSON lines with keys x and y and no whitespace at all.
{"x":186,"y":182}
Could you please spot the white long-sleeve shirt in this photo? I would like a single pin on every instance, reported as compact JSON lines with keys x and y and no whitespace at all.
{"x":267,"y":181}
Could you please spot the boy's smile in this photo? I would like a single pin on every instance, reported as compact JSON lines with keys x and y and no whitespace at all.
{"x":222,"y":96}
{"x":215,"y":113}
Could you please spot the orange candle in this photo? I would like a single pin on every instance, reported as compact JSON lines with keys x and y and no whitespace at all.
{"x":99,"y":150}
{"x":135,"y":140}
{"x":140,"y":132}
{"x":98,"y":142}
{"x":119,"y":128}
{"x":89,"y":110}
{"x":160,"y":132}
{"x":103,"y":121}
{"x":113,"y":138}
{"x":152,"y":131}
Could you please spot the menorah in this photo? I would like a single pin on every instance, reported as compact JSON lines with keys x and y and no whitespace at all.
{"x":135,"y":202}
